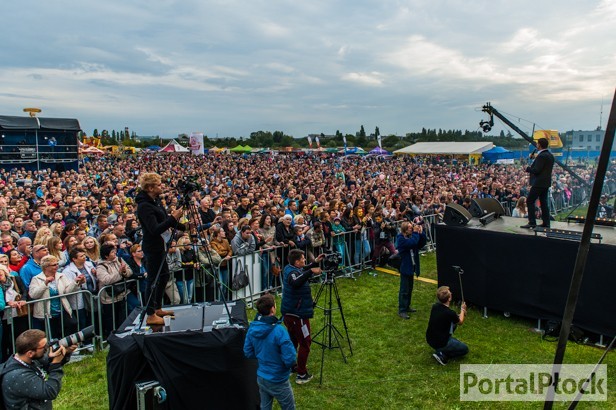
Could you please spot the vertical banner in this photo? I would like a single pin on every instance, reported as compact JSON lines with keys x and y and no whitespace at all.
{"x":196,"y":143}
{"x":318,"y":142}
{"x":345,"y":144}
{"x":378,"y":138}
{"x":310,"y":141}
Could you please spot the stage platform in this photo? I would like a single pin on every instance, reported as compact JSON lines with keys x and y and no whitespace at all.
{"x":507,"y":224}
{"x":511,"y":269}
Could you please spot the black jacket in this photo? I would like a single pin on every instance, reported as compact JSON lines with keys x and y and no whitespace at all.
{"x":541,"y":170}
{"x":154,"y":221}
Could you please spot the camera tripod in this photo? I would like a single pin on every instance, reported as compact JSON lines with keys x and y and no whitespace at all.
{"x":330,"y":335}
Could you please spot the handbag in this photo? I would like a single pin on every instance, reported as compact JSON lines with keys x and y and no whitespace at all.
{"x":21,"y":311}
{"x":118,"y":288}
{"x":240,"y":278}
{"x":276,"y":268}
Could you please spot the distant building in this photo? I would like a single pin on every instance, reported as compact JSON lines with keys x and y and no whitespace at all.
{"x":585,"y":140}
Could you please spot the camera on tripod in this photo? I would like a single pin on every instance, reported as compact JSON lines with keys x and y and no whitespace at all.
{"x":331,"y":261}
{"x":187,"y":186}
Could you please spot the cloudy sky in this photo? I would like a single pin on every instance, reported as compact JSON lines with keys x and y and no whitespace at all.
{"x":231,"y":67}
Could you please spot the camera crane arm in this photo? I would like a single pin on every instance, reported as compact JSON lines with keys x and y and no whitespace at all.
{"x":491,"y":111}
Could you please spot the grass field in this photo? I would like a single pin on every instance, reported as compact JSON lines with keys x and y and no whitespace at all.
{"x":391,"y":366}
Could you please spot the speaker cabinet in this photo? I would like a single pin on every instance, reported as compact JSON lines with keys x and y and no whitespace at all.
{"x":456,"y":215}
{"x":483,"y":206}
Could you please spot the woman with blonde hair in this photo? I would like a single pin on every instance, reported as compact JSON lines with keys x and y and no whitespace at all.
{"x":42,"y":236}
{"x":51,"y":283}
{"x":92,"y":248}
{"x":55,"y":246}
{"x":56,"y":229}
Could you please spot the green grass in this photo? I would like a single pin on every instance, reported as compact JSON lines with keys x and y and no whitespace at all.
{"x":391,"y":366}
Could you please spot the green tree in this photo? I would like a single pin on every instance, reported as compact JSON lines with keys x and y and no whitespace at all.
{"x":502,"y":134}
{"x":377,"y":132}
{"x":362,"y":132}
{"x":113,"y":135}
{"x":95,"y":133}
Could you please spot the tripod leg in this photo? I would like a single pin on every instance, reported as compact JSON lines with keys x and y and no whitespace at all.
{"x":344,"y":324}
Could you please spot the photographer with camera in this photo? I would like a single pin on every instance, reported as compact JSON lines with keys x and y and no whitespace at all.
{"x":297,"y":306}
{"x":31,"y":378}
{"x":156,"y":232}
{"x":409,"y":241}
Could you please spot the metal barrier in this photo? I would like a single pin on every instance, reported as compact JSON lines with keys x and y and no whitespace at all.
{"x":48,"y":322}
{"x":119,"y":308}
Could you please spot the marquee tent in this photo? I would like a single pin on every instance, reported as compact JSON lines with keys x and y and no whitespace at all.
{"x":468,"y":150}
{"x":378,"y":151}
{"x":498,"y":154}
{"x":174,"y":146}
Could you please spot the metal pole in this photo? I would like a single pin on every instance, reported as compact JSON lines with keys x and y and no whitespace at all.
{"x":582,"y":255}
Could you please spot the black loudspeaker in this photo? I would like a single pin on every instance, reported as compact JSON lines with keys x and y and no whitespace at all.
{"x":456,"y":215}
{"x":483,"y":206}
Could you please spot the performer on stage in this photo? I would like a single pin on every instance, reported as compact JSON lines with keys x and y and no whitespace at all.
{"x":540,"y":181}
{"x":156,"y":232}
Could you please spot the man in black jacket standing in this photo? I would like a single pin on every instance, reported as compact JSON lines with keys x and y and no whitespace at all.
{"x":156,"y":233}
{"x":540,"y":181}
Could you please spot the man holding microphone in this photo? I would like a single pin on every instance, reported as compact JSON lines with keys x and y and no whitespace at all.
{"x":157,"y":227}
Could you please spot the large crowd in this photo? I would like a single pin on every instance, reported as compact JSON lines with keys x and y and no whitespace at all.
{"x":76,"y":232}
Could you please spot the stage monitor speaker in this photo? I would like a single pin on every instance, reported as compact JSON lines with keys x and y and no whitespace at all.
{"x":456,"y":215}
{"x":483,"y":206}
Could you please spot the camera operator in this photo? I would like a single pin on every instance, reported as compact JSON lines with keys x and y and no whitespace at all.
{"x":156,"y":225}
{"x":410,"y":239}
{"x":297,"y":306}
{"x":31,"y":379}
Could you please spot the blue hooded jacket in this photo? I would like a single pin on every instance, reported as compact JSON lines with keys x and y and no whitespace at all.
{"x":269,"y":342}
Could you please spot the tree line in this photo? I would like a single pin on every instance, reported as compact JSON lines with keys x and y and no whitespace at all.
{"x":278,"y":139}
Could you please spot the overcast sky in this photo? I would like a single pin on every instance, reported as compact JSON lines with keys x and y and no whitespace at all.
{"x":230,"y":67}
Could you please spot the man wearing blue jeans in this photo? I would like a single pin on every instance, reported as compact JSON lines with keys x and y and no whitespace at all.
{"x":269,"y":342}
{"x":442,"y":324}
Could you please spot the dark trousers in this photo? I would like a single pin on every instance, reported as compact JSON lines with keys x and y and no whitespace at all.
{"x":156,"y":283}
{"x":302,"y":344}
{"x":404,"y":294}
{"x":113,"y":316}
{"x":542,"y":194}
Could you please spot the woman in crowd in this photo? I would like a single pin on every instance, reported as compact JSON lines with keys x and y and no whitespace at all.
{"x":13,"y":292}
{"x":185,"y":282}
{"x":55,"y":246}
{"x":69,"y":229}
{"x":16,"y":260}
{"x":81,"y":270}
{"x":221,"y":245}
{"x":50,"y":283}
{"x":137,"y":267}
{"x":520,"y":210}
{"x":42,"y":236}
{"x":132,"y":231}
{"x":56,"y":229}
{"x":91,"y":246}
{"x":109,"y":271}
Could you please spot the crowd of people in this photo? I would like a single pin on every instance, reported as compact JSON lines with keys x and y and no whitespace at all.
{"x":76,"y":232}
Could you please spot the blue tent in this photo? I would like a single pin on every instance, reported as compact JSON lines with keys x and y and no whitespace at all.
{"x":497,"y":153}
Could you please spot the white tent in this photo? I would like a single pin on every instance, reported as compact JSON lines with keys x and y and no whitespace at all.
{"x":173,"y":146}
{"x":445,"y":148}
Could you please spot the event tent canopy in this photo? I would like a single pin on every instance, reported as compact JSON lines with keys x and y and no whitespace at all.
{"x":497,"y":153}
{"x":241,"y":148}
{"x":445,"y":148}
{"x":379,"y":151}
{"x":174,"y":146}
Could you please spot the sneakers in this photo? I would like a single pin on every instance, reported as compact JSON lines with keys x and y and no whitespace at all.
{"x":440,"y":358}
{"x":411,"y":310}
{"x":303,"y":378}
{"x":404,"y":315}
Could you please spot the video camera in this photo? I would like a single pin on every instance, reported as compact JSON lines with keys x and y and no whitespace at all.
{"x":331,"y":261}
{"x":185,"y":187}
{"x":77,"y":337}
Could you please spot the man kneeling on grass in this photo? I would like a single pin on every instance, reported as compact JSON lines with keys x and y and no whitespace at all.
{"x":269,"y":342}
{"x":442,"y":324}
